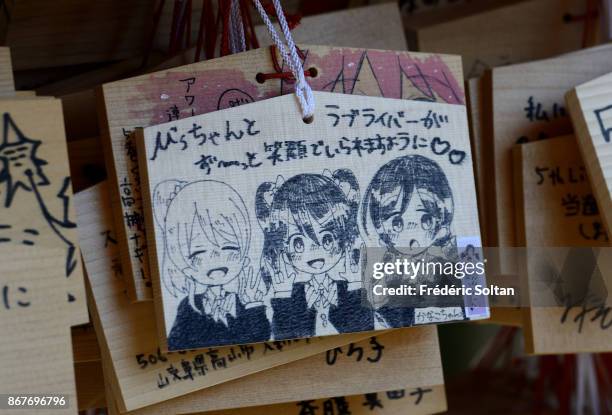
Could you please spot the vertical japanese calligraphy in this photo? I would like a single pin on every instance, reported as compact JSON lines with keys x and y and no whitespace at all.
{"x":35,"y":190}
{"x":41,"y":295}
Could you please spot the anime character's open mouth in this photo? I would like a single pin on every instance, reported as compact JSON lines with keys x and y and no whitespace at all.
{"x":222,"y":270}
{"x":316,"y":263}
{"x":414,"y":243}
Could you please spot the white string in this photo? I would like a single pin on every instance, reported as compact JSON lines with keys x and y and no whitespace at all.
{"x":291,"y":58}
{"x":237,"y":39}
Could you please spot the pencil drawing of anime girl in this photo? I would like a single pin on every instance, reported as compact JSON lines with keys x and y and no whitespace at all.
{"x":409,"y":207}
{"x":207,"y":234}
{"x":310,"y":254}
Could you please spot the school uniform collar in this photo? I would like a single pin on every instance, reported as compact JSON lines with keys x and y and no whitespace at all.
{"x":321,"y":291}
{"x":218,"y":304}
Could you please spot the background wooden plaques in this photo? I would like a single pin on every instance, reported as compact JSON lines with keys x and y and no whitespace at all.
{"x":513,"y":32}
{"x":44,"y":34}
{"x":35,"y":314}
{"x":478,"y":96}
{"x":528,"y":104}
{"x":85,"y":344}
{"x":607,"y":20}
{"x":27,"y":94}
{"x":407,"y":357}
{"x":36,"y":190}
{"x":590,"y":106}
{"x":90,"y":385}
{"x":325,"y":29}
{"x":380,"y":27}
{"x":7,"y":85}
{"x":221,"y":83}
{"x":551,"y":177}
{"x":409,"y":401}
{"x":87,"y":166}
{"x":480,"y":112}
{"x":95,"y":393}
{"x":88,"y":371}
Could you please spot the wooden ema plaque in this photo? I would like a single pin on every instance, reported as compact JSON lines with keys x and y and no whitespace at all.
{"x":37,"y":189}
{"x":563,"y":317}
{"x":42,"y":292}
{"x":527,"y":105}
{"x":590,"y":106}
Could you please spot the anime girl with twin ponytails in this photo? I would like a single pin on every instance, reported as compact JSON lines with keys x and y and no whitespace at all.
{"x":311,"y":254}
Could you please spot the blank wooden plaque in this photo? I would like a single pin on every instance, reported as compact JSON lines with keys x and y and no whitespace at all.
{"x":590,"y":107}
{"x":47,"y":207}
{"x":61,"y":33}
{"x":542,"y":221}
{"x":379,"y":27}
{"x":517,"y":32}
{"x":415,"y":10}
{"x":221,"y":83}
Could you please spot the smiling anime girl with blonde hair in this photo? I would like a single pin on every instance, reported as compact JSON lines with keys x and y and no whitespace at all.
{"x":207,"y":260}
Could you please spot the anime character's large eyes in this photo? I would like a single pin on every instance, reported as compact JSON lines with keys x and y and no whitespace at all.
{"x":296,"y":243}
{"x":397,"y":223}
{"x":195,"y":258}
{"x":427,"y":221}
{"x":196,"y":253}
{"x":327,"y":240}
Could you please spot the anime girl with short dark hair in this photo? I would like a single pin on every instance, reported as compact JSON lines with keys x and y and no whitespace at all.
{"x":207,"y":261}
{"x":310,"y":255}
{"x":408,"y":206}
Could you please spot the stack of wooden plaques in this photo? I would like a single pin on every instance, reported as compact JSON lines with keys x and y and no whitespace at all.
{"x":118,"y":361}
{"x":43,"y":292}
{"x":516,"y":111}
{"x":183,"y":237}
{"x":123,"y":301}
{"x":495,"y":33}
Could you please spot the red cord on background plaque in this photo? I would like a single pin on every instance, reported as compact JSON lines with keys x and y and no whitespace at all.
{"x":279,"y":74}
